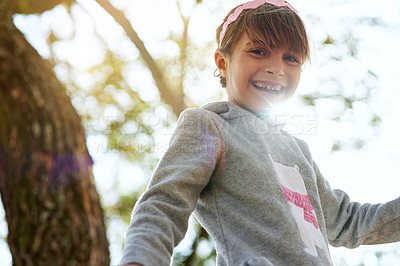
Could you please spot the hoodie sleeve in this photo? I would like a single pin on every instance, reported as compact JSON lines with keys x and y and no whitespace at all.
{"x":351,"y":224}
{"x":160,"y":217}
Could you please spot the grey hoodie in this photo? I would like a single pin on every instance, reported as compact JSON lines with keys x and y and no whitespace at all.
{"x":255,"y":189}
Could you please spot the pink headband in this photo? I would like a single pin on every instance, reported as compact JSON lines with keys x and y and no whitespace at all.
{"x":251,"y":5}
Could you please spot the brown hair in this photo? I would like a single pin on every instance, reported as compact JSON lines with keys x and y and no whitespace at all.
{"x":268,"y":25}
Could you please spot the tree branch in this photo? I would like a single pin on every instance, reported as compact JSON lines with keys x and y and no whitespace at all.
{"x":170,"y":98}
{"x":183,"y":47}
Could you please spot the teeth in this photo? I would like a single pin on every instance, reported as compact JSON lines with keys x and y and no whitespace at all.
{"x":258,"y":84}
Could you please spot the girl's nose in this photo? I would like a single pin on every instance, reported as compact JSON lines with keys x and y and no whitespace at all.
{"x":274,"y":67}
{"x":274,"y":71}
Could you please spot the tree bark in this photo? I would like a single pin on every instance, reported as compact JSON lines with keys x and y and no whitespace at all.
{"x":34,"y":6}
{"x":46,"y":183}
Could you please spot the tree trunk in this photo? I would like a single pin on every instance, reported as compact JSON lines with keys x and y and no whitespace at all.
{"x":46,"y":184}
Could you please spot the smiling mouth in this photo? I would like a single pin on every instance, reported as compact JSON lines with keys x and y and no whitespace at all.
{"x":271,"y":89}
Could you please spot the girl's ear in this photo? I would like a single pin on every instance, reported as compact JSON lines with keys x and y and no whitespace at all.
{"x":221,"y":61}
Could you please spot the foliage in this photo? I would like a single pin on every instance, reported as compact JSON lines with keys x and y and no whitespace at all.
{"x":344,"y":80}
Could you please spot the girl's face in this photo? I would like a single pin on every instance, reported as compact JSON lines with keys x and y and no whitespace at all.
{"x":256,"y":79}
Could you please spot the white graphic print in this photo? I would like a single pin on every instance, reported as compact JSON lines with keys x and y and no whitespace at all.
{"x":295,"y":192}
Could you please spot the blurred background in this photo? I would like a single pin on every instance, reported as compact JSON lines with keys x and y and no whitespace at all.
{"x":130,"y":67}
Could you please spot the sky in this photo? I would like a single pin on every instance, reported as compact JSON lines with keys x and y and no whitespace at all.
{"x":367,"y":175}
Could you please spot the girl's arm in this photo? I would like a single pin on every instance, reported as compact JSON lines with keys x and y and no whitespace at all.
{"x":351,"y":224}
{"x":160,"y":217}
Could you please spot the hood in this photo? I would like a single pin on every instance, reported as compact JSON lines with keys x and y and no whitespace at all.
{"x":227,"y":110}
{"x":230,"y":111}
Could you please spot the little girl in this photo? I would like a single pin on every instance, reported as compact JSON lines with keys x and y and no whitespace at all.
{"x":252,"y":186}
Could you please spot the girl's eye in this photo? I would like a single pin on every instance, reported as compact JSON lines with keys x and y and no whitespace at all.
{"x":291,"y":58}
{"x":257,"y":52}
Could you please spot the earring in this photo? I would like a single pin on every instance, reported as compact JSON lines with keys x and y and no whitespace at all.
{"x":215,"y":73}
